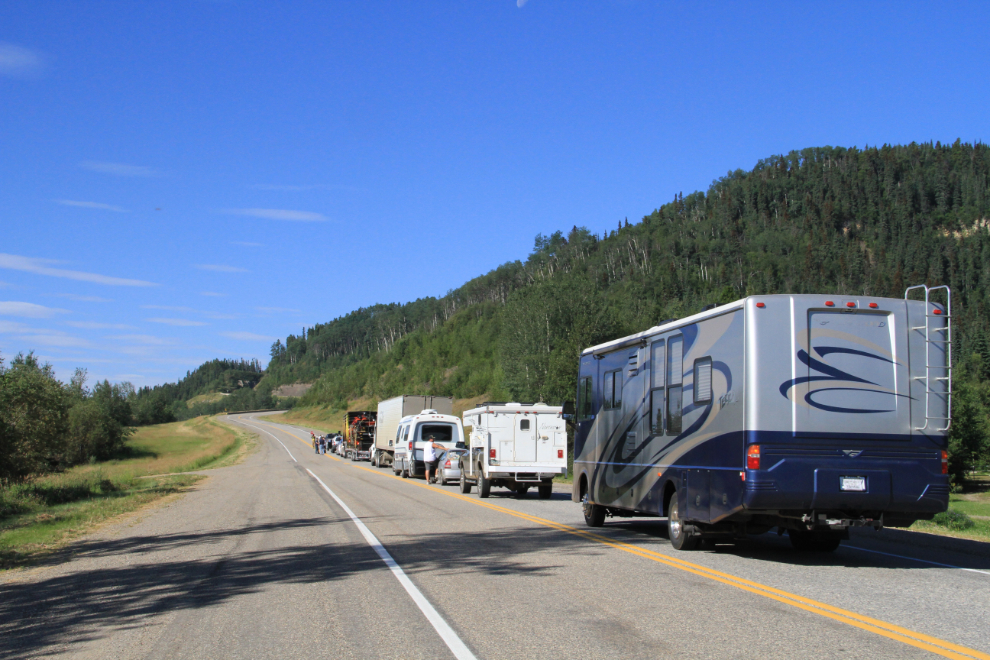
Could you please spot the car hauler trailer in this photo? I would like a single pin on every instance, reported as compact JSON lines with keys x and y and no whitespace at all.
{"x":412,"y":434}
{"x":514,"y":446}
{"x":809,"y":413}
{"x":390,"y":413}
{"x":359,"y":434}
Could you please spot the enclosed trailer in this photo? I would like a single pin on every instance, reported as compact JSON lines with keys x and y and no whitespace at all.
{"x":390,"y":413}
{"x":809,"y":413}
{"x":359,"y":434}
{"x":514,"y":446}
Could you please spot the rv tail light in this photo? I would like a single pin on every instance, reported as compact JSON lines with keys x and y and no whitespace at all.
{"x":945,"y":462}
{"x":829,"y":303}
{"x":560,"y":453}
{"x":938,"y":311}
{"x":491,"y":453}
{"x":850,"y":304}
{"x":873,"y":305}
{"x":753,"y":457}
{"x":761,"y":305}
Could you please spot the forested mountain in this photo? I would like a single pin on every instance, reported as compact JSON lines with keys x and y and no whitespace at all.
{"x":855,"y":221}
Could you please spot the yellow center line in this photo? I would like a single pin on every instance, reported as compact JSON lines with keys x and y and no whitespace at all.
{"x":897,"y":633}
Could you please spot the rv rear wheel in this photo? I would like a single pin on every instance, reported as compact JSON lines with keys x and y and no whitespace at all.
{"x":594,"y":514}
{"x":679,"y":538}
{"x":465,"y":486}
{"x":545,"y":491}
{"x":814,"y":541}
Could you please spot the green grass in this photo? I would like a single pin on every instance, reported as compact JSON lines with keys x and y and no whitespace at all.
{"x":968,"y":516}
{"x":42,"y":515}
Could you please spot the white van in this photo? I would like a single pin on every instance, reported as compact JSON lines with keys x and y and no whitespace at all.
{"x":515,"y":446}
{"x":411,"y":436}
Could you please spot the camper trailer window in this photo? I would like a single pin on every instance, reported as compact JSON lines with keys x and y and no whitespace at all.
{"x":675,"y":370}
{"x":656,"y":365}
{"x":617,"y":390}
{"x":523,"y":424}
{"x":584,"y":399}
{"x":675,"y":366}
{"x":656,"y":411}
{"x":609,"y":388}
{"x":703,"y":380}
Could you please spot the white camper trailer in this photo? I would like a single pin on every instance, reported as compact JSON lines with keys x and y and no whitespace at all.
{"x":514,"y":445}
{"x":390,"y":414}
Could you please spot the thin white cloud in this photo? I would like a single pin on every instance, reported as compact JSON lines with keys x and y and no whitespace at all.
{"x":280,"y":214}
{"x":169,"y":308}
{"x":291,"y":188}
{"x":58,"y":340}
{"x":18,"y":62}
{"x":184,"y":323}
{"x":276,"y":310}
{"x":91,"y":205}
{"x":521,"y":3}
{"x":219,"y":268}
{"x":118,"y":169}
{"x":212,"y":294}
{"x":72,"y":296}
{"x":6,"y":285}
{"x":147,"y":340}
{"x":10,"y":327}
{"x":245,"y":244}
{"x":219,"y":317}
{"x":246,"y":336}
{"x":29,"y":310}
{"x":43,"y":267}
{"x":93,"y":325}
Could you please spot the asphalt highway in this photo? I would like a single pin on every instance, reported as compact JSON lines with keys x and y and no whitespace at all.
{"x":291,"y":554}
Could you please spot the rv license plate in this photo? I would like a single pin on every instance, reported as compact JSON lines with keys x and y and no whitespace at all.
{"x":857,"y":484}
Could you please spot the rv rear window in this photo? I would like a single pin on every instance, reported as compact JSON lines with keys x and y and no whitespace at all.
{"x":608,"y":388}
{"x":584,"y":399}
{"x":656,"y":366}
{"x":703,"y":380}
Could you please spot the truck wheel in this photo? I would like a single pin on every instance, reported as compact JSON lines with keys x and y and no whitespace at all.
{"x":465,"y":486}
{"x":521,"y":490}
{"x":545,"y":491}
{"x":806,"y":541}
{"x":484,"y":485}
{"x":680,"y":539}
{"x":594,"y":514}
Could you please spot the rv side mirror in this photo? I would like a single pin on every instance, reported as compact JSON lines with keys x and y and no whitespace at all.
{"x":568,"y":408}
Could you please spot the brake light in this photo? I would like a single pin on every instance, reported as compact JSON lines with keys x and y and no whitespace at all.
{"x":410,"y":446}
{"x":447,"y":464}
{"x":491,"y":453}
{"x":850,"y":304}
{"x":753,"y":457}
{"x":560,"y":453}
{"x":945,"y":462}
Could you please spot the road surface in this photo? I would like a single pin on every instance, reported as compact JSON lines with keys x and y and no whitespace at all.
{"x":294,"y":555}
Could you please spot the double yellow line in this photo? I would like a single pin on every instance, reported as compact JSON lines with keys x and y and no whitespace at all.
{"x":888,"y":630}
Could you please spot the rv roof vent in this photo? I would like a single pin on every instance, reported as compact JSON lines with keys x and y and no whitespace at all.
{"x":429,"y":411}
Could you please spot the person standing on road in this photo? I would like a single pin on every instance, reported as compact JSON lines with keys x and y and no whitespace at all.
{"x":430,"y":458}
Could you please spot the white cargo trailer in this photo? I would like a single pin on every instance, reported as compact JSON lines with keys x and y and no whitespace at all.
{"x":390,"y":414}
{"x":515,"y":446}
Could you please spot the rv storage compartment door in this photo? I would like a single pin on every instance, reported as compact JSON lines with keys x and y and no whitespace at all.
{"x":525,"y":439}
{"x":852,"y":376}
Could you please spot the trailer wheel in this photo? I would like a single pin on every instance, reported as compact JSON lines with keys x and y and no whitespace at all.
{"x":675,"y":529}
{"x":806,"y":541}
{"x":484,"y":485}
{"x":465,"y":486}
{"x":545,"y":491}
{"x":594,"y":514}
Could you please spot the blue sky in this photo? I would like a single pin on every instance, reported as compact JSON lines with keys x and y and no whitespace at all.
{"x":188,"y":180}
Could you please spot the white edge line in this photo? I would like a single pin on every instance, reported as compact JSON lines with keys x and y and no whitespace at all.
{"x":923,"y":561}
{"x":273,"y":438}
{"x":447,"y":634}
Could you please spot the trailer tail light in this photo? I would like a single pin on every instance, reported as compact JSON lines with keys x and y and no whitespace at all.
{"x":850,"y":304}
{"x":829,"y":303}
{"x":945,"y":462}
{"x":873,"y":305}
{"x":560,"y":453}
{"x":753,"y":457}
{"x":491,"y":453}
{"x":761,"y":305}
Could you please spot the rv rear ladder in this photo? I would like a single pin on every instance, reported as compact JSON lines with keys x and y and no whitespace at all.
{"x":946,"y":347}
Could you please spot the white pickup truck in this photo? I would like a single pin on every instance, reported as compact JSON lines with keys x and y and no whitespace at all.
{"x":515,"y":446}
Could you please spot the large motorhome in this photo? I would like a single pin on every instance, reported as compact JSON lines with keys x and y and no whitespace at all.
{"x":809,"y":413}
{"x":390,"y":413}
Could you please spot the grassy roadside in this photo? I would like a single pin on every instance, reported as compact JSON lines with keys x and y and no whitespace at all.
{"x":968,"y":516}
{"x":328,"y":419}
{"x":41,"y":516}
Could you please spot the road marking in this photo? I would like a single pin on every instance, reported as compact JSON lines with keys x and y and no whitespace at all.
{"x":258,"y":428}
{"x":923,"y":561}
{"x":447,"y":634}
{"x":897,"y":633}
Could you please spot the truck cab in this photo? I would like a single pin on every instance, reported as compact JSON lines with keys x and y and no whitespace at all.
{"x":411,"y":438}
